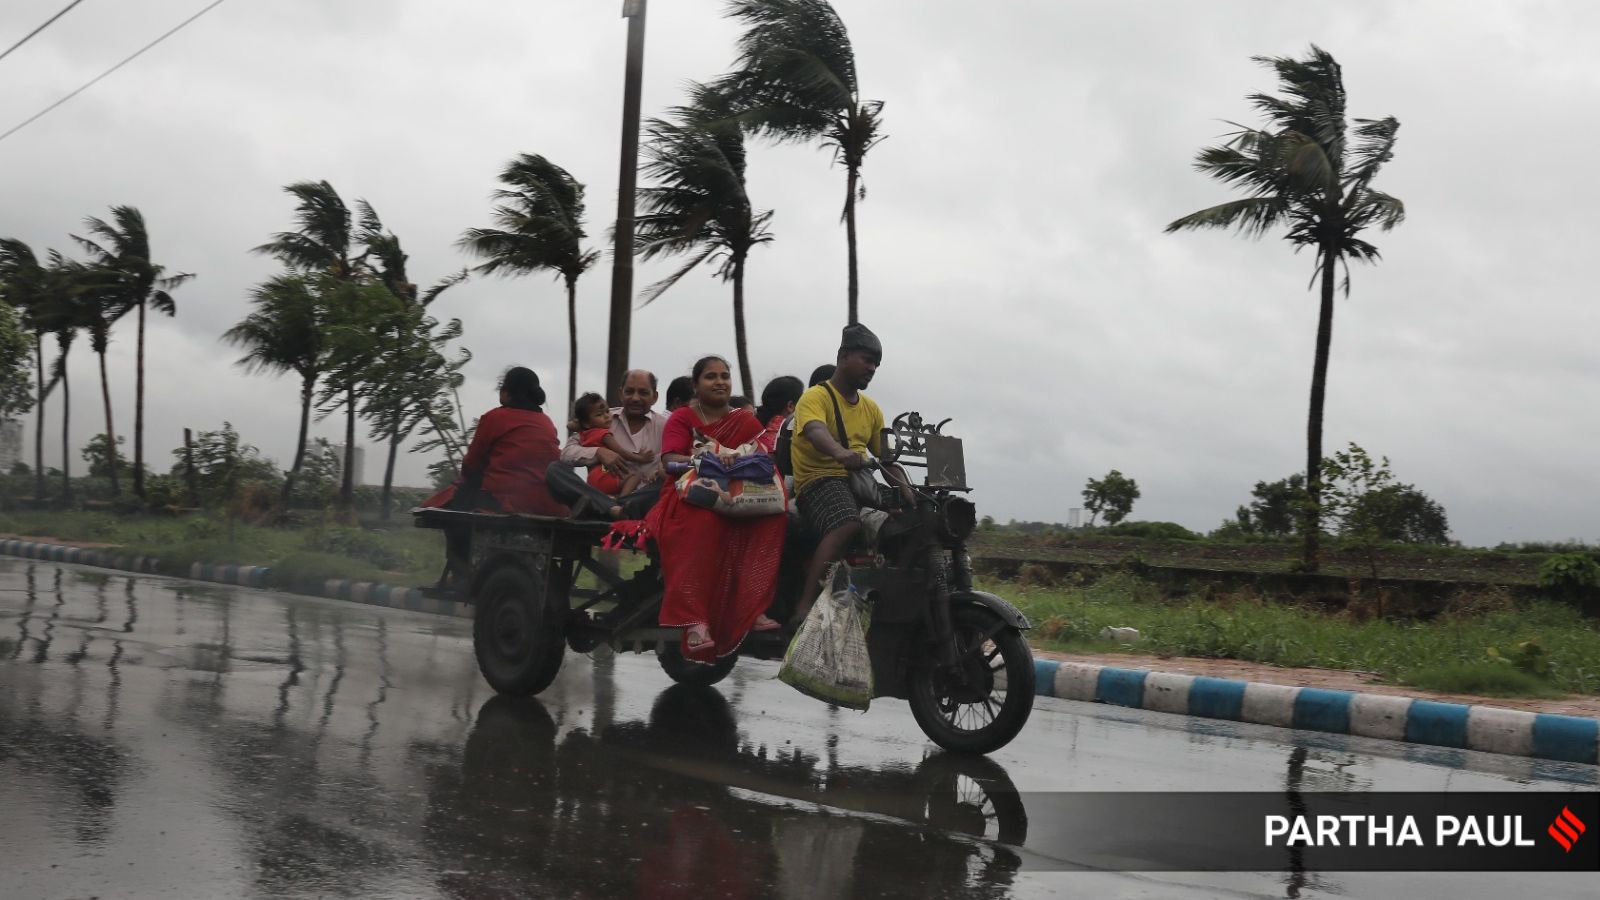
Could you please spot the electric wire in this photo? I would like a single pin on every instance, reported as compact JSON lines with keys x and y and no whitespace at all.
{"x":91,"y":83}
{"x":29,"y":36}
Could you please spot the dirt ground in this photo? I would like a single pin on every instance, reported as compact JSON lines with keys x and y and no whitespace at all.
{"x":37,"y":539}
{"x":1571,"y":705}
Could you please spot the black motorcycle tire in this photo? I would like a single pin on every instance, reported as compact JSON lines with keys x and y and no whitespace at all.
{"x":684,"y":671}
{"x":927,"y":690}
{"x":518,"y":652}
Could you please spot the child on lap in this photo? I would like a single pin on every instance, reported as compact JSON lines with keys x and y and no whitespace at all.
{"x":593,"y":420}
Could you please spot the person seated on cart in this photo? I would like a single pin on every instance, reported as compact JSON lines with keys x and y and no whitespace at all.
{"x":636,"y":427}
{"x":720,"y":572}
{"x":504,"y":467}
{"x":823,"y":458}
{"x":593,"y":422}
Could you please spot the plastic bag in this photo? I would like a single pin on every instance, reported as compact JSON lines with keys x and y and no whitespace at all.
{"x":828,"y":657}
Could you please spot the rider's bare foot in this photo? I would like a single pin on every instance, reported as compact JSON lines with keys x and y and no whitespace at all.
{"x":698,"y":637}
{"x":765,"y":623}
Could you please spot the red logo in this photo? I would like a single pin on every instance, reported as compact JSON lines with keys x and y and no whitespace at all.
{"x":1566,"y":829}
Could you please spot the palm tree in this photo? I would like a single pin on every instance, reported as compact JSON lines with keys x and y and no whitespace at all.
{"x":1304,"y":170}
{"x":23,"y":281}
{"x":123,"y":246}
{"x":538,"y":220}
{"x":284,"y":332}
{"x":699,"y":204}
{"x":101,"y":304}
{"x":795,"y":80}
{"x":402,"y":374}
{"x":63,"y":314}
{"x":323,"y":246}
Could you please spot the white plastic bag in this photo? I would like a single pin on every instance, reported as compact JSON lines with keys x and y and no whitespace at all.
{"x":828,"y":657}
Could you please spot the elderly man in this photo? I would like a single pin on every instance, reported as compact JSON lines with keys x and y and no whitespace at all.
{"x":823,"y":457}
{"x":637,"y":427}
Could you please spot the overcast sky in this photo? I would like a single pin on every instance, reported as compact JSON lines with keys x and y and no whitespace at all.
{"x":1011,"y":242}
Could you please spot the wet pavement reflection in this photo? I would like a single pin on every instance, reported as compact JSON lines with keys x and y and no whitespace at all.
{"x":166,"y":738}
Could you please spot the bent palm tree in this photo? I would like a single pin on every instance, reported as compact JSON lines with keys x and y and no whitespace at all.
{"x":1302,"y":170}
{"x":323,"y":246}
{"x":284,"y":332}
{"x":699,"y":204}
{"x":123,"y":246}
{"x":795,"y":80}
{"x":63,"y":315}
{"x":538,"y":221}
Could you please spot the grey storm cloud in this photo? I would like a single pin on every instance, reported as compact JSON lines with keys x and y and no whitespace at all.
{"x":1011,"y":239}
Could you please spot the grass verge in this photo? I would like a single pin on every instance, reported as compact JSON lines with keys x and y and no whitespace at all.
{"x":320,"y":551}
{"x":1448,"y":653}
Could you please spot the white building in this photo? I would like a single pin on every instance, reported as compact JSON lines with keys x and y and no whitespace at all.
{"x":11,"y":445}
{"x":359,"y":469}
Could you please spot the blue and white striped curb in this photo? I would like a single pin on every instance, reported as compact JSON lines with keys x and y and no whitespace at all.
{"x":1469,"y":727}
{"x":81,"y":555}
{"x":370,"y":593}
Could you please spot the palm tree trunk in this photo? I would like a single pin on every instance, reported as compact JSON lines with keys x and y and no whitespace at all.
{"x":738,"y":329}
{"x":853,"y":180}
{"x":347,"y":483}
{"x":66,"y":421}
{"x":138,"y":412}
{"x":308,"y":386}
{"x":388,"y":470}
{"x":38,"y":428}
{"x":572,"y":348}
{"x":111,"y":432}
{"x":1310,"y":557}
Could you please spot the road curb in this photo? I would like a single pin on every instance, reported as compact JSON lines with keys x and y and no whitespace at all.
{"x":368,"y":592}
{"x":1490,"y":729}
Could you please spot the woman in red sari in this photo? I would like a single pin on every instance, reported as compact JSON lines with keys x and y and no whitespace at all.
{"x":720,"y":572}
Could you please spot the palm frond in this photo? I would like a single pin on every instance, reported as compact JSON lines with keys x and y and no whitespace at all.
{"x":654,"y":291}
{"x":1251,"y":216}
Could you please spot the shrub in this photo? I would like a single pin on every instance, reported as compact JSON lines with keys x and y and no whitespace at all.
{"x":357,"y":544}
{"x":1571,"y":576}
{"x":1156,"y":530}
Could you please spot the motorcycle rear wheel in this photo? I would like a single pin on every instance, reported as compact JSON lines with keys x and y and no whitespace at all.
{"x":981,"y":705}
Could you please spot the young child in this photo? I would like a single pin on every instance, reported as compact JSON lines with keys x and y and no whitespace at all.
{"x":593,"y":420}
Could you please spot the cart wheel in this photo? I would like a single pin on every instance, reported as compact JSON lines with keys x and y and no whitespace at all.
{"x":979,"y":707}
{"x":685,"y":672}
{"x":518,"y":652}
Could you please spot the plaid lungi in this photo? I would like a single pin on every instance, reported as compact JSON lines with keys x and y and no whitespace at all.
{"x":827,"y":503}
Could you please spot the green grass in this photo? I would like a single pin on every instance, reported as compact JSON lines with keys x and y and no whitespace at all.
{"x":1485,"y":679}
{"x":1246,"y":628}
{"x":319,"y":551}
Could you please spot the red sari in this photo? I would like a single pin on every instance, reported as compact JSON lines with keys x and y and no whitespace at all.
{"x":719,"y":571}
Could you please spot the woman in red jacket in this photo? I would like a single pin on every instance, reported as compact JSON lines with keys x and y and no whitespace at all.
{"x":503,"y":470}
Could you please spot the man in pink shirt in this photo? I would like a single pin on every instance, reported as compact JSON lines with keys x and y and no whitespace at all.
{"x":637,"y":427}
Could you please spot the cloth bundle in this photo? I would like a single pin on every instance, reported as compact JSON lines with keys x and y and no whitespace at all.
{"x":749,"y":485}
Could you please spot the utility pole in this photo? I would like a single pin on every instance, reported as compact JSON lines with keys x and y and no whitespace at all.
{"x":627,"y":182}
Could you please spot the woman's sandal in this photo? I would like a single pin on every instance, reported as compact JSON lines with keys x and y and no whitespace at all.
{"x":704,"y":641}
{"x":766,"y":623}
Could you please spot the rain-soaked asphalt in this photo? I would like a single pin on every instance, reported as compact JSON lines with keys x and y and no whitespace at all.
{"x":162,"y":738}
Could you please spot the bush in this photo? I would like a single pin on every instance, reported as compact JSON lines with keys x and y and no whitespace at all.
{"x":1486,"y":679}
{"x":1571,"y":576}
{"x":1171,"y":531}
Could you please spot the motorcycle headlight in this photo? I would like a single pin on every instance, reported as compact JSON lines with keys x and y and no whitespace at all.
{"x":958,"y":517}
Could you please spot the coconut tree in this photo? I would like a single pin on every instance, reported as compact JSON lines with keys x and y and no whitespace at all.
{"x":100,"y":304}
{"x":1308,"y":170}
{"x":122,"y":245}
{"x":62,"y":312}
{"x":23,"y":281}
{"x":285,"y":332}
{"x":795,"y":80}
{"x":323,"y":246}
{"x":698,"y":204}
{"x":538,"y":227}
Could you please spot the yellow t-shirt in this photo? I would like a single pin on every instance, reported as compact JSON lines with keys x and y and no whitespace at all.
{"x":863,"y":425}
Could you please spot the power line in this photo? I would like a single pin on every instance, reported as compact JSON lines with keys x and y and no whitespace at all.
{"x":91,"y":83}
{"x":29,"y":36}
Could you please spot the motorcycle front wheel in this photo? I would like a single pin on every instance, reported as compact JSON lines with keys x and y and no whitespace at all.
{"x":982,"y":703}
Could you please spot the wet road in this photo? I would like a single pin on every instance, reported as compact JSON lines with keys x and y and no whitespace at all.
{"x":175,"y":739}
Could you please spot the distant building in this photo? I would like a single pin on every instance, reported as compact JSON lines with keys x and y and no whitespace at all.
{"x":11,"y":445}
{"x":359,"y":469}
